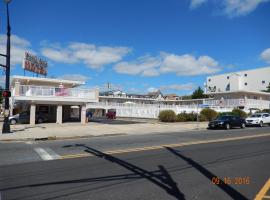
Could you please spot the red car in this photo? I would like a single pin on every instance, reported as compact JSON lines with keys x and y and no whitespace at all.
{"x":111,"y":114}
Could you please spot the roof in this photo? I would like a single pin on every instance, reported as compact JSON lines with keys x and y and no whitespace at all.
{"x":259,"y":68}
{"x":38,"y":80}
{"x":154,"y":93}
{"x":170,"y":95}
{"x":239,"y":91}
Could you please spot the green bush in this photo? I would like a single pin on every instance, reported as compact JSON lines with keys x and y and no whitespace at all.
{"x":181,"y":117}
{"x":266,"y":110}
{"x":225,"y":113}
{"x":202,"y":118}
{"x":167,"y":116}
{"x":209,"y":114}
{"x":239,"y":113}
{"x":191,"y":117}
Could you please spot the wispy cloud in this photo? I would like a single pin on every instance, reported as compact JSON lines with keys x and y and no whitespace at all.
{"x":178,"y":87}
{"x":75,"y":77}
{"x":181,"y":65}
{"x":144,"y":66}
{"x":265,"y":55}
{"x":231,"y":8}
{"x":196,"y":3}
{"x":18,"y":47}
{"x":189,"y":65}
{"x":235,"y":8}
{"x":95,"y":57}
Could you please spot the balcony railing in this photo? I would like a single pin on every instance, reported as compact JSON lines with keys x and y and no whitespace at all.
{"x":45,"y":91}
{"x":250,"y":103}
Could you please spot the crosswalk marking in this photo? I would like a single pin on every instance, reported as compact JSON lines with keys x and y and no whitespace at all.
{"x":29,"y":142}
{"x":47,"y":154}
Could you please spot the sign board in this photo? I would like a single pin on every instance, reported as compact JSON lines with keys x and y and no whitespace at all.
{"x":34,"y":64}
{"x":204,"y":105}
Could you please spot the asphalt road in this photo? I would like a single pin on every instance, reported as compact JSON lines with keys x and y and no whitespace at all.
{"x":191,"y":165}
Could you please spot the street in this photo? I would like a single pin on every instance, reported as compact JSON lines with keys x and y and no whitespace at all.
{"x":210,"y":164}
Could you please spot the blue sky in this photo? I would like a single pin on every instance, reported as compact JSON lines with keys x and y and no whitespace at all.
{"x":140,"y":46}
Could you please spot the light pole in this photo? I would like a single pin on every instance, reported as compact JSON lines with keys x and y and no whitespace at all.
{"x":6,"y":125}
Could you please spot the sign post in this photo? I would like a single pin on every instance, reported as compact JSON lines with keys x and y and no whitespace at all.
{"x":34,"y":64}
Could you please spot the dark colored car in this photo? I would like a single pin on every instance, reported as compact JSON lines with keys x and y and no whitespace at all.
{"x":227,"y":122}
{"x":24,"y":117}
{"x":111,"y":114}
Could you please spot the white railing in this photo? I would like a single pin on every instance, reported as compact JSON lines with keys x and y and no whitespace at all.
{"x":247,"y":103}
{"x":46,"y":91}
{"x":139,"y":105}
{"x":225,"y":102}
{"x":260,"y":104}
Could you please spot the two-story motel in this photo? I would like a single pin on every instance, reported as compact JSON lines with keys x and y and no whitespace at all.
{"x":61,"y":99}
{"x":66,"y":99}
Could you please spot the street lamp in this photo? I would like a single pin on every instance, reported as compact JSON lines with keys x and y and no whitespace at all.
{"x":6,"y":125}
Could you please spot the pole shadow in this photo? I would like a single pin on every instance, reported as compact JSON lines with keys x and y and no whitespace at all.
{"x":234,"y":194}
{"x":161,"y":179}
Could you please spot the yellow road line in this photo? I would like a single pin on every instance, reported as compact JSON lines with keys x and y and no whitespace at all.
{"x":263,"y":191}
{"x":167,"y":145}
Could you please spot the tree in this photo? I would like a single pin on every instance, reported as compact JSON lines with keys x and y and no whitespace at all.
{"x":198,"y":94}
{"x":267,"y":88}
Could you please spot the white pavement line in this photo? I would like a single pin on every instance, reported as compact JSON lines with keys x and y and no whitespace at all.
{"x":29,"y":142}
{"x":45,"y":155}
{"x":52,"y":153}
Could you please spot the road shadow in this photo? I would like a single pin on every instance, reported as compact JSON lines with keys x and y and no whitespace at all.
{"x":234,"y":194}
{"x":161,"y":179}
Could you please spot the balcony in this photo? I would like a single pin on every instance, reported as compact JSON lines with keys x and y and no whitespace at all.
{"x":46,"y":93}
{"x":247,"y":103}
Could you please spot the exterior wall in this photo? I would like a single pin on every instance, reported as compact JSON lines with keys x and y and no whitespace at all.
{"x":249,"y":80}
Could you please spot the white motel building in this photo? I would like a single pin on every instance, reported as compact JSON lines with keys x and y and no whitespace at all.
{"x":243,"y":89}
{"x":66,"y":100}
{"x":60,"y":99}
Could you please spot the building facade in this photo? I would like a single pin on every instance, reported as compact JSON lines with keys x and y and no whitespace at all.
{"x":249,"y":80}
{"x":60,"y":99}
{"x":243,"y":89}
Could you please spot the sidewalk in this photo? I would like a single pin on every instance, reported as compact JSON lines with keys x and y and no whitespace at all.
{"x":94,"y":129}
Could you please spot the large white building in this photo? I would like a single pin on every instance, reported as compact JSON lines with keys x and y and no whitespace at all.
{"x":242,"y":89}
{"x":255,"y":80}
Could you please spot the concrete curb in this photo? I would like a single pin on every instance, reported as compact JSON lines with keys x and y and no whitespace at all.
{"x":88,"y":136}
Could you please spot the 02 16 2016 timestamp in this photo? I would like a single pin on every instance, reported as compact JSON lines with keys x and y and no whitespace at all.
{"x":231,"y":180}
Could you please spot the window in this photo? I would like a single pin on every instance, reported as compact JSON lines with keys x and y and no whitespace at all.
{"x":263,"y":82}
{"x":228,"y":77}
{"x":245,"y":83}
{"x":209,"y":80}
{"x":245,"y":75}
{"x":228,"y":87}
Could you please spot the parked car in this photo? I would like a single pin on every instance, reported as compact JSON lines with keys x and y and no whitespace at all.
{"x":258,"y":119}
{"x":14,"y":119}
{"x":24,"y":117}
{"x":111,"y":114}
{"x":227,"y":122}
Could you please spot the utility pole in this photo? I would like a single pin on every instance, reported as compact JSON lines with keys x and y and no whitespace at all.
{"x":6,"y":125}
